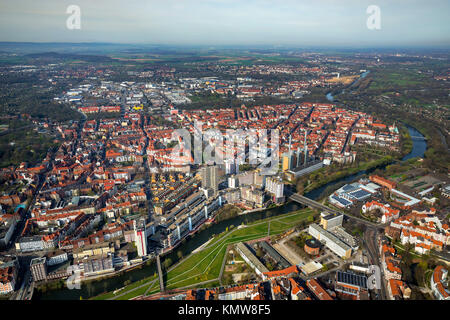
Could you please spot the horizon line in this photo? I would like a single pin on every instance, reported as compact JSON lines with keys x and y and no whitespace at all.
{"x":268,"y":46}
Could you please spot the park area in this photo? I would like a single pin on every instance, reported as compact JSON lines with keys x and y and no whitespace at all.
{"x":203,"y":268}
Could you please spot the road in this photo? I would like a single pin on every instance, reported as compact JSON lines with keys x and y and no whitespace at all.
{"x":26,"y":289}
{"x":27,"y":285}
{"x":371,"y":241}
{"x":370,"y":237}
{"x":314,"y":204}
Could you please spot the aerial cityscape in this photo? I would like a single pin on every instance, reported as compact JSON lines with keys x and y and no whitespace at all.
{"x":207,"y":167}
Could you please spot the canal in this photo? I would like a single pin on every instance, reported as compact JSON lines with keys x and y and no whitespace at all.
{"x":418,"y":150}
{"x":195,"y":241}
{"x":191,"y":243}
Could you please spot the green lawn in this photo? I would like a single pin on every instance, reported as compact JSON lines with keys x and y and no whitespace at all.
{"x":205,"y":265}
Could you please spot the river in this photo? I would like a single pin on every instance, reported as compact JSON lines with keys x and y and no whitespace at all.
{"x":330,"y":95}
{"x":195,"y":241}
{"x":192,"y":243}
{"x":418,"y":150}
{"x":116,"y":282}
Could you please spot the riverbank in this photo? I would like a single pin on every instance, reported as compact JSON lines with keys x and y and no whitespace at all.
{"x":186,"y":247}
{"x":342,"y":172}
{"x":139,"y":278}
{"x":332,"y":94}
{"x":205,"y":265}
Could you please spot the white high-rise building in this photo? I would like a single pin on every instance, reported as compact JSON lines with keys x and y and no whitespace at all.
{"x":275,"y":186}
{"x":233,"y":182}
{"x":140,"y":237}
{"x":231,"y":166}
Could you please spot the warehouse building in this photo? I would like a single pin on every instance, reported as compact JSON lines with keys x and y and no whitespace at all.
{"x":330,"y":240}
{"x":351,"y":284}
{"x":252,"y":260}
{"x":275,"y":255}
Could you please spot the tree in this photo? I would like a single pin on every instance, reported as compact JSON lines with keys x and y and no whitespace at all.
{"x":167,"y":263}
{"x":89,"y":289}
{"x":300,"y":186}
{"x":259,"y":252}
{"x":419,"y":275}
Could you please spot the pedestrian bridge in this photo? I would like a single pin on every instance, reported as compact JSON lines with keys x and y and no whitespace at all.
{"x":160,"y":274}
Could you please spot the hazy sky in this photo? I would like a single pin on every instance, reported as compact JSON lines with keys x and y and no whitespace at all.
{"x":233,"y":22}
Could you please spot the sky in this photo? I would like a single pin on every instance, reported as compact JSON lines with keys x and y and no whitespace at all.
{"x":410,"y":23}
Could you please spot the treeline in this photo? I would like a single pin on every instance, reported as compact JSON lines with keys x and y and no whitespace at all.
{"x":24,"y":146}
{"x":436,"y":157}
{"x":25,"y":98}
{"x":227,"y":212}
{"x":335,"y":172}
{"x":216,"y":101}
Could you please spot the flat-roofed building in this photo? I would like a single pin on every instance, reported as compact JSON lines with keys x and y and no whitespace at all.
{"x":98,"y":265}
{"x":251,"y":259}
{"x":331,"y":241}
{"x":38,"y":267}
{"x":275,"y":186}
{"x":275,"y":255}
{"x":331,"y":220}
{"x":93,"y":250}
{"x":56,"y":257}
{"x":351,"y":284}
{"x":7,"y":227}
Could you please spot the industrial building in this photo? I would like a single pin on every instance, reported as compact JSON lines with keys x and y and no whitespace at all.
{"x":275,"y":255}
{"x":329,"y":221}
{"x":351,"y":284}
{"x":345,"y":196}
{"x":330,"y":240}
{"x":251,"y":259}
{"x":304,"y":169}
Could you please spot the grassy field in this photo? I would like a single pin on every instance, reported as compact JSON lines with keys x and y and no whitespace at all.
{"x":397,"y":79}
{"x":205,"y":265}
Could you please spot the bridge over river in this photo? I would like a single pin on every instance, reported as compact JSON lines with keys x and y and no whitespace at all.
{"x":316,"y":205}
